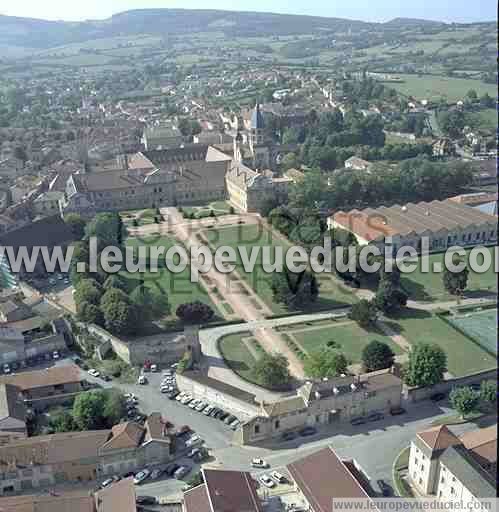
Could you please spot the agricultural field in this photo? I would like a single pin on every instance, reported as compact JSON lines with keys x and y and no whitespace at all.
{"x":463,"y":355}
{"x":429,"y":286}
{"x":434,"y":87}
{"x":332,"y":293}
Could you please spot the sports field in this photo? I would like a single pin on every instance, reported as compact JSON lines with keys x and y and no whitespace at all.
{"x":481,"y":325}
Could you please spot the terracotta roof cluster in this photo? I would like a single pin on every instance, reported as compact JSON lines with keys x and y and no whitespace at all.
{"x":482,"y":444}
{"x":438,"y":438}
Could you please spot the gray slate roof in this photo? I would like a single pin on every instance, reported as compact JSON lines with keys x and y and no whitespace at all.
{"x":457,"y":460}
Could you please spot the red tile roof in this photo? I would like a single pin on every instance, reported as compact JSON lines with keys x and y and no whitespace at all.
{"x":322,"y":476}
{"x":438,"y":438}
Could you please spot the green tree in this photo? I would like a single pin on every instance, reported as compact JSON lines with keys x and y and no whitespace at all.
{"x":427,"y":365}
{"x":325,"y":363}
{"x":115,"y":281}
{"x":88,"y":410}
{"x":112,"y":295}
{"x":62,"y":421}
{"x":114,"y":407}
{"x":120,"y":317}
{"x":107,"y":228}
{"x":295,"y":290}
{"x":377,"y":355}
{"x":150,"y":304}
{"x":364,"y":313}
{"x":88,"y":291}
{"x":464,"y":400}
{"x":289,"y":161}
{"x":272,"y":370}
{"x":455,"y":282}
{"x":196,"y":312}
{"x":389,"y":298}
{"x":90,"y":313}
{"x":472,"y":95}
{"x":488,"y":391}
{"x":76,"y":224}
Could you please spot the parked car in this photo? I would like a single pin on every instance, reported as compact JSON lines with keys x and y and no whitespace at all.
{"x":142,"y":380}
{"x":200,"y":406}
{"x":154,"y":368}
{"x":229,"y":419}
{"x":165,"y":389}
{"x":106,"y":483}
{"x":223,"y":416}
{"x":141,"y":476}
{"x":6,"y":368}
{"x":194,"y":403}
{"x":436,"y":397}
{"x":55,"y":354}
{"x":106,"y":378}
{"x":181,"y":396}
{"x":156,"y":473}
{"x":167,"y":373}
{"x":170,"y":469}
{"x":267,"y":481}
{"x":235,"y":424}
{"x":278,"y":477}
{"x":375,"y":416}
{"x":208,"y":410}
{"x":259,"y":463}
{"x":145,"y":500}
{"x":308,"y":431}
{"x":181,"y":472}
{"x":395,"y":411}
{"x":214,"y":411}
{"x":193,"y":441}
{"x":358,"y":420}
{"x":172,"y":395}
{"x":93,"y":372}
{"x":288,"y":436}
{"x":193,"y":452}
{"x":385,"y":489}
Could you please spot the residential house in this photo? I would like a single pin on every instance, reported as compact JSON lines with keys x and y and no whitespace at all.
{"x":358,"y":164}
{"x":454,"y":468}
{"x":48,"y":203}
{"x":42,"y":461}
{"x":40,"y":389}
{"x":118,"y":497}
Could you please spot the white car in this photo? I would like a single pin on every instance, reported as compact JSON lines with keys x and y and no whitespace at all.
{"x":194,"y":440}
{"x":167,"y":373}
{"x":130,"y":396}
{"x":186,"y":399}
{"x":141,"y":476}
{"x":165,"y":389}
{"x":55,"y":354}
{"x":267,"y":481}
{"x":154,"y":368}
{"x":180,"y":396}
{"x":200,"y":406}
{"x":93,"y":372}
{"x":259,"y":463}
{"x":208,"y":409}
{"x":107,"y":482}
{"x":142,"y":380}
{"x":194,"y":403}
{"x":278,"y":477}
{"x":6,"y":368}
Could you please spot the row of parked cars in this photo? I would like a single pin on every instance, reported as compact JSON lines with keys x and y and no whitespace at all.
{"x":271,"y":480}
{"x":8,"y":368}
{"x":376,"y":416}
{"x":196,"y":404}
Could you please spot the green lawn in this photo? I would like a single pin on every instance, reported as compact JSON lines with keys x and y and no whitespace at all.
{"x":349,"y":337}
{"x":332,"y":293}
{"x":434,"y":87}
{"x":178,"y":287}
{"x":463,"y":356}
{"x":429,"y":286}
{"x":488,"y":117}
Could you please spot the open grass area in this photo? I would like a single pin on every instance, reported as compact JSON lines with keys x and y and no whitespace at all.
{"x":488,"y":117}
{"x":434,"y":87}
{"x":332,"y":293}
{"x":200,"y":212}
{"x":348,"y":337}
{"x":428,"y":286}
{"x":463,"y":355}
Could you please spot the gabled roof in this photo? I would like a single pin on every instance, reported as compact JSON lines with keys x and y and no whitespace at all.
{"x":118,"y":497}
{"x":124,"y":435}
{"x":53,"y":376}
{"x":11,"y":406}
{"x":322,"y":476}
{"x":438,"y":438}
{"x":482,"y":444}
{"x":71,"y":501}
{"x":230,"y":491}
{"x":156,"y":429}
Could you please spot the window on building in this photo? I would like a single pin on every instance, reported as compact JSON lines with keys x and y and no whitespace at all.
{"x":277,"y":424}
{"x":420,"y":481}
{"x":416,"y":461}
{"x":257,"y":429}
{"x":442,"y":480}
{"x":452,"y":490}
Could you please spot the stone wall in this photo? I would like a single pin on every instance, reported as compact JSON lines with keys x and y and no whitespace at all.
{"x":418,"y":394}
